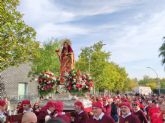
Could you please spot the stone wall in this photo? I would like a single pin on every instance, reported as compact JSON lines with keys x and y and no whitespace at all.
{"x":15,"y":75}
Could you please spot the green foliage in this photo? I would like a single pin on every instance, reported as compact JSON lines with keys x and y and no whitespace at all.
{"x":147,"y":81}
{"x":130,"y":84}
{"x":47,"y":59}
{"x":105,"y":74}
{"x":162,"y":51}
{"x":162,"y":83}
{"x":17,"y":40}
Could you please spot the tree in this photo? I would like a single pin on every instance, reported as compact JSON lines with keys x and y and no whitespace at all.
{"x":93,"y":59}
{"x":144,"y":81}
{"x":112,"y":78}
{"x":130,"y":84}
{"x":17,"y":40}
{"x":47,"y":59}
{"x":162,"y":51}
{"x":106,"y":75}
{"x":147,"y":81}
{"x":162,"y":83}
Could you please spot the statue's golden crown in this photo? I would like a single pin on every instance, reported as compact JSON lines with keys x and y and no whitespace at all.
{"x":66,"y":41}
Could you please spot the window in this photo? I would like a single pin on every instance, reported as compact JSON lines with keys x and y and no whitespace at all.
{"x":22,"y":90}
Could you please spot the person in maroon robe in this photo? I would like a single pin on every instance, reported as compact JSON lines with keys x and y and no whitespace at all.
{"x":25,"y":107}
{"x":80,"y":115}
{"x":46,"y":112}
{"x":36,"y":108}
{"x":106,"y":107}
{"x":3,"y":115}
{"x":59,"y":106}
{"x":138,"y":112}
{"x":98,"y":114}
{"x":126,"y":116}
{"x":18,"y":107}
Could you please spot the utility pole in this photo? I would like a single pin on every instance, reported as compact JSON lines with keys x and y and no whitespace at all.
{"x":157,"y":78}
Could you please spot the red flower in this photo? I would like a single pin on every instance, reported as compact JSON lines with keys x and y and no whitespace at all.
{"x":86,"y":83}
{"x":91,"y":84}
{"x":69,"y":88}
{"x":79,"y":85}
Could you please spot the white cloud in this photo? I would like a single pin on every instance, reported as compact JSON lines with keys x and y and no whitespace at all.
{"x":49,"y":17}
{"x":61,"y":31}
{"x":96,"y":7}
{"x":134,"y":43}
{"x":38,"y":12}
{"x":138,"y":41}
{"x":137,"y":46}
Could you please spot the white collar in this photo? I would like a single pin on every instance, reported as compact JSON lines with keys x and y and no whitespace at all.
{"x":62,"y":113}
{"x":106,"y":104}
{"x":1,"y":113}
{"x":137,"y":110}
{"x":124,"y":116}
{"x":81,"y":112}
{"x":100,"y":116}
{"x":29,"y":110}
{"x":49,"y":112}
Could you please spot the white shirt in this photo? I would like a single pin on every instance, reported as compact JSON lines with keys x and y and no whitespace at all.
{"x":137,"y":110}
{"x":124,"y":116}
{"x":81,"y":112}
{"x":99,"y":117}
{"x":29,"y":110}
{"x":49,"y":112}
{"x":2,"y":117}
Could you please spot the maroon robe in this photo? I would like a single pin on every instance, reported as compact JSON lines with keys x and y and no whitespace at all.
{"x":81,"y":118}
{"x":20,"y":111}
{"x":105,"y":119}
{"x":140,"y":114}
{"x":129,"y":119}
{"x":41,"y":116}
{"x":15,"y":118}
{"x":107,"y":110}
{"x":36,"y":112}
{"x":64,"y":117}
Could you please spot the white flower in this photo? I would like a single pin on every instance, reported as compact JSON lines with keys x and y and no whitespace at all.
{"x":66,"y":74}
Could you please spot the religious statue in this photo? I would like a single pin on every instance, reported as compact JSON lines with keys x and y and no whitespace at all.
{"x":66,"y":57}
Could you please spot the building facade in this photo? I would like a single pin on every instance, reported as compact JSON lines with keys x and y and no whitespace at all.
{"x":17,"y":83}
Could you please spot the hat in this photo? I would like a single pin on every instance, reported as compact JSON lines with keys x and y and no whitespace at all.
{"x":59,"y":106}
{"x":80,"y":104}
{"x":2,"y":103}
{"x":50,"y":104}
{"x":25,"y":102}
{"x":116,"y":99}
{"x":127,"y":104}
{"x":105,"y":98}
{"x":36,"y":104}
{"x":124,"y":100}
{"x":97,"y":105}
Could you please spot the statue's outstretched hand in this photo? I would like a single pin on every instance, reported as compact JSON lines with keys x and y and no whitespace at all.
{"x":57,"y":52}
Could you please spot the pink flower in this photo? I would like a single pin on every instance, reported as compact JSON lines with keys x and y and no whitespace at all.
{"x":69,"y":88}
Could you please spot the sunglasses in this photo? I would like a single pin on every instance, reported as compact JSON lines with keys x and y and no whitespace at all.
{"x":134,"y":105}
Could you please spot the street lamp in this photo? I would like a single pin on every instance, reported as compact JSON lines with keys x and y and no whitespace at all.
{"x":157,"y":78}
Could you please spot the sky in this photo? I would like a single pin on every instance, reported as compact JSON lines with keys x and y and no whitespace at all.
{"x":131,"y":29}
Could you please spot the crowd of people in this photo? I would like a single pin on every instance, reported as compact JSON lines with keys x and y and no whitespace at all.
{"x":104,"y":109}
